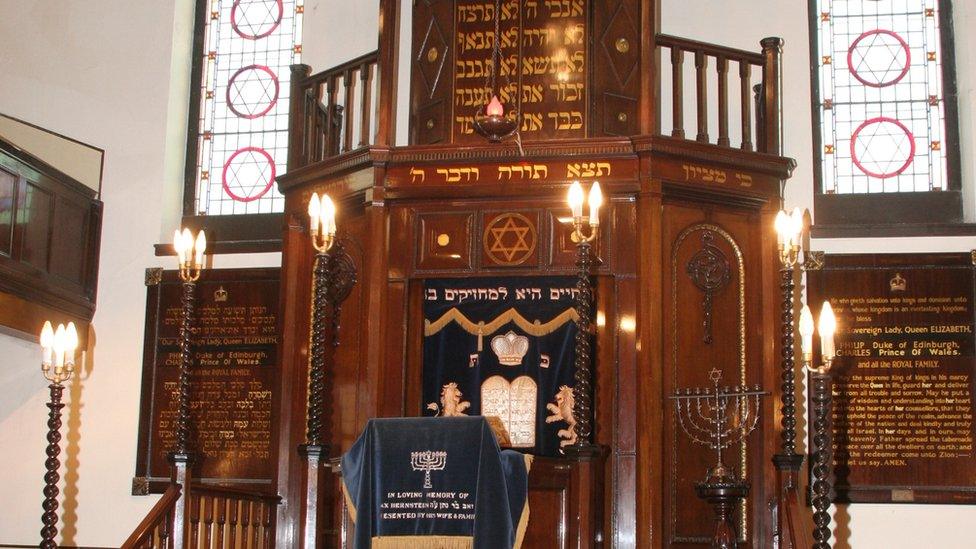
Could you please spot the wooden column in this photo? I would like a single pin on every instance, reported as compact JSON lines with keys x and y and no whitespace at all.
{"x":296,"y":116}
{"x":386,"y":72}
{"x":772,"y":50}
{"x":650,"y":106}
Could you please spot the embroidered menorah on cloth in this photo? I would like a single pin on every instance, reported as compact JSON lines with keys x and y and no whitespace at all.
{"x":428,"y":461}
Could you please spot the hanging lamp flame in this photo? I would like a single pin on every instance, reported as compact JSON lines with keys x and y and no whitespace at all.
{"x":492,"y":123}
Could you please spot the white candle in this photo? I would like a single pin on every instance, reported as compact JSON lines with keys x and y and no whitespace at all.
{"x":47,"y":343}
{"x":576,"y":199}
{"x":71,"y":344}
{"x":187,"y":247}
{"x":806,"y":333}
{"x":782,"y":229}
{"x":314,"y":211}
{"x":596,"y":200}
{"x":796,"y":226}
{"x":828,"y":325}
{"x":328,"y":215}
{"x":200,"y":247}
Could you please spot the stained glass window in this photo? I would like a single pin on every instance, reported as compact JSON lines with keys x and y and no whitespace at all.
{"x":881,"y":96}
{"x":242,"y":134}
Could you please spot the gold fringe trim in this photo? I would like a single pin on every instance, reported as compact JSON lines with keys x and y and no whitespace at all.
{"x":349,"y":505}
{"x":423,"y":542}
{"x":482,"y":329}
{"x":523,"y":522}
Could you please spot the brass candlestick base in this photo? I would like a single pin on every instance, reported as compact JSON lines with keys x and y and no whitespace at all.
{"x":723,"y":492}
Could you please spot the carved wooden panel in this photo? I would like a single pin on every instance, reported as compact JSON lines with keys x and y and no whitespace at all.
{"x":510,"y":239}
{"x":432,"y":71}
{"x":616,"y":65}
{"x":445,"y":241}
{"x":710,"y":271}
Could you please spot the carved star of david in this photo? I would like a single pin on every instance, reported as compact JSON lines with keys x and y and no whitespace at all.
{"x":510,"y":239}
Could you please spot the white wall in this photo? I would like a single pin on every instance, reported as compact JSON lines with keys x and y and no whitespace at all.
{"x":743,"y":24}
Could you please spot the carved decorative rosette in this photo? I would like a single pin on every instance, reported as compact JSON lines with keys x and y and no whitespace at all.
{"x":709,"y":269}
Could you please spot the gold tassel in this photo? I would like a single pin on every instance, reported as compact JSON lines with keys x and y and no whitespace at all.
{"x":423,"y":542}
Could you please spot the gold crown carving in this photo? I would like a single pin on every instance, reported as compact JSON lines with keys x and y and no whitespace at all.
{"x":898,"y":284}
{"x":220,"y":294}
{"x":510,"y":348}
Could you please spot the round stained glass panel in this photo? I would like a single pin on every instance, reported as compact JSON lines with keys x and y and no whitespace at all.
{"x":882,"y":147}
{"x":249,"y":174}
{"x":252,"y":91}
{"x":879,"y":58}
{"x":255,"y":19}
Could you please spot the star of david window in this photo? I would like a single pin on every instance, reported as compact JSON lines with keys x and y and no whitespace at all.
{"x":885,"y":114}
{"x":239,"y":131}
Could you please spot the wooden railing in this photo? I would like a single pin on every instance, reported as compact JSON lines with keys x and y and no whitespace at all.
{"x":766,"y":120}
{"x":216,"y":518}
{"x":325,"y":122}
{"x":154,"y":530}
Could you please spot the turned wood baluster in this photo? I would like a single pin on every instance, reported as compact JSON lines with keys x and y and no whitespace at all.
{"x":245,"y":523}
{"x":677,"y":92}
{"x":257,"y":519}
{"x":220,"y":517}
{"x":267,"y":525}
{"x":745,"y":101}
{"x":347,"y":83}
{"x":701,"y":78}
{"x":330,"y":108}
{"x":366,"y":83}
{"x":722,"y":68}
{"x":195,"y":502}
{"x":232,"y":520}
{"x":208,"y":519}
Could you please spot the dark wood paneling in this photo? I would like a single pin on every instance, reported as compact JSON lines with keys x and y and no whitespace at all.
{"x":615,"y":54}
{"x":50,"y":227}
{"x":445,"y":241}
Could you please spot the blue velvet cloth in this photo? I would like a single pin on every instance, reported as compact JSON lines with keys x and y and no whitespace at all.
{"x":472,"y":488}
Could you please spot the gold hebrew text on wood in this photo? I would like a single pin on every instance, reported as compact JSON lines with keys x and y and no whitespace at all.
{"x":541,"y":67}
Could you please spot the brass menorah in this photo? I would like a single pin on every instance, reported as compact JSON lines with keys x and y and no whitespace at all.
{"x":719,"y":417}
{"x":428,"y":461}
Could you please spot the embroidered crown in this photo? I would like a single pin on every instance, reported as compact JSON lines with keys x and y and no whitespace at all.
{"x":510,"y":348}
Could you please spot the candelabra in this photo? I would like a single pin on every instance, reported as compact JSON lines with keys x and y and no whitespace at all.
{"x":789,"y":228}
{"x":189,"y":252}
{"x":57,"y":365}
{"x":820,"y":377}
{"x":584,"y":234}
{"x":322,"y":229}
{"x":717,"y":418}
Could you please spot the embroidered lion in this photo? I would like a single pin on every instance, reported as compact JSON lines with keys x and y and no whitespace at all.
{"x":451,"y":403}
{"x":562,"y":410}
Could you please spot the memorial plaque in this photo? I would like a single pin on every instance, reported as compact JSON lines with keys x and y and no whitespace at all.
{"x":903,"y":379}
{"x":232,"y":378}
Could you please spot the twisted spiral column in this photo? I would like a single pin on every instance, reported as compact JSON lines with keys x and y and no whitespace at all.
{"x":316,"y":386}
{"x":821,"y":465}
{"x":51,"y":477}
{"x":583,"y":386}
{"x":788,"y":421}
{"x":186,"y":359}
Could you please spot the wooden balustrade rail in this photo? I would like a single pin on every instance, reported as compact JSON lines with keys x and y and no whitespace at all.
{"x":766,"y":119}
{"x":217,"y":518}
{"x":154,"y":530}
{"x":324,"y":123}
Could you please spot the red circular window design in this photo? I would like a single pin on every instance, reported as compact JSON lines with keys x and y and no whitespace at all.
{"x":882,"y":147}
{"x":256,"y":19}
{"x":248,"y":174}
{"x":879,"y":58}
{"x":252,"y":91}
